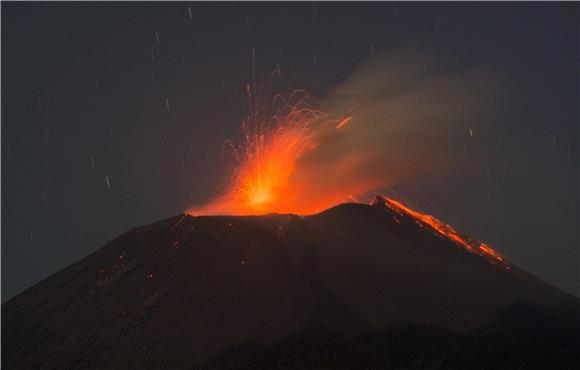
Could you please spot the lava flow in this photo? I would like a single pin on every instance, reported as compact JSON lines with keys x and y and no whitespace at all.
{"x":444,"y":230}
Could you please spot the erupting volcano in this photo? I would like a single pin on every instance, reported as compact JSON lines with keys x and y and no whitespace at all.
{"x":279,"y":272}
{"x":306,"y":186}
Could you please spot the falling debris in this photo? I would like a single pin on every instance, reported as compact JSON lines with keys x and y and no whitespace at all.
{"x":157,"y":36}
{"x":470,"y":132}
{"x":554,"y":141}
{"x":189,"y":11}
{"x":372,"y":49}
{"x":167,"y":104}
{"x":108,"y":183}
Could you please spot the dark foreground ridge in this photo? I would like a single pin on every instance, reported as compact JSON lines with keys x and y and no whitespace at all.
{"x":522,"y":336}
{"x":356,"y":286}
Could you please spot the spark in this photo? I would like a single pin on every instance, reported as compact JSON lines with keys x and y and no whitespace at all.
{"x":157,"y":36}
{"x":167,"y":103}
{"x":470,"y":132}
{"x":152,"y":56}
{"x":344,"y":122}
{"x":92,"y":162}
{"x":108,"y":183}
{"x":189,"y":11}
{"x":254,"y":70}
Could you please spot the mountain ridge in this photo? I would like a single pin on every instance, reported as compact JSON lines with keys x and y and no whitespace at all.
{"x":175,"y":293}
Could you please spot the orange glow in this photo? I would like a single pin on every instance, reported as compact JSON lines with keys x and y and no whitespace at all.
{"x":445,"y":230}
{"x":275,"y":137}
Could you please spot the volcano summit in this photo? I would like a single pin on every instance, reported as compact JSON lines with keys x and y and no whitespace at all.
{"x":356,"y":286}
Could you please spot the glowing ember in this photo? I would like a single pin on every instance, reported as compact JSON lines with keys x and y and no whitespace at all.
{"x":444,"y":230}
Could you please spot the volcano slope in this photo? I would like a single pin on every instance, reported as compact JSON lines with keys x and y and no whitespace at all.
{"x":356,"y":286}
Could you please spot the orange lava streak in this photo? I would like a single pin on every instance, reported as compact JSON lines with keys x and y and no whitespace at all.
{"x":447,"y":231}
{"x":344,"y":122}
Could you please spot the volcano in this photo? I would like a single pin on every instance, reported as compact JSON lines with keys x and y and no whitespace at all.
{"x":356,"y":286}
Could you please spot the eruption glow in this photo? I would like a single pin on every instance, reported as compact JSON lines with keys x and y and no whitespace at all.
{"x":275,"y":137}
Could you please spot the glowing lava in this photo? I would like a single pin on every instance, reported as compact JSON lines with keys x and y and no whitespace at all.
{"x":444,"y":230}
{"x":275,"y":137}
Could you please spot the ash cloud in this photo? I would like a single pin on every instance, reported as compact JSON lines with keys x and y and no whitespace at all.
{"x":409,"y":111}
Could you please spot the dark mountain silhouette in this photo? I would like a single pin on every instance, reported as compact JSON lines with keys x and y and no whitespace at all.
{"x":356,"y":286}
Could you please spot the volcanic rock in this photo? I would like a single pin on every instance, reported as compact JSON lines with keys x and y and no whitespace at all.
{"x":225,"y":291}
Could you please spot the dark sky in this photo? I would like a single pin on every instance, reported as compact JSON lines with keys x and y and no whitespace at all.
{"x":83,"y":101}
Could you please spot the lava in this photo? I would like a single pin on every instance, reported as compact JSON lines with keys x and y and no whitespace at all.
{"x":275,"y":137}
{"x":444,"y":230}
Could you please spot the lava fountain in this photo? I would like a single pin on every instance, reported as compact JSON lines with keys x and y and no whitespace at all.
{"x":276,"y":135}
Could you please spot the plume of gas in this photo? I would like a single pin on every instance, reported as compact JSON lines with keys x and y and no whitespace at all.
{"x":408,"y":112}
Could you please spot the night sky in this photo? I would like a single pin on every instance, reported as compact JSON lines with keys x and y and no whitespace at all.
{"x":115,"y":115}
